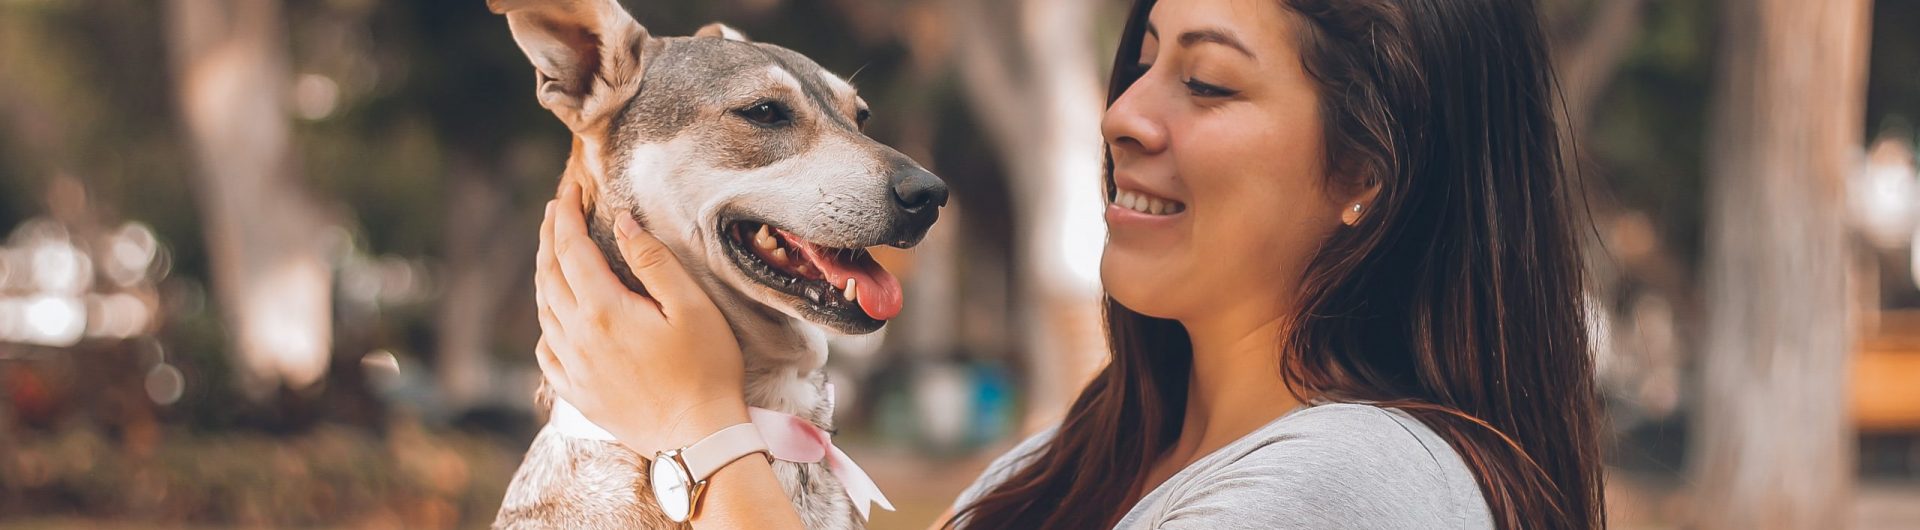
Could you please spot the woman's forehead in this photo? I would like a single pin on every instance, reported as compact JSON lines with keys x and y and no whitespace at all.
{"x":1246,"y":26}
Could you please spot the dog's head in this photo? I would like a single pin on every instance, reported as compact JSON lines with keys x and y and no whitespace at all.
{"x":747,"y":159}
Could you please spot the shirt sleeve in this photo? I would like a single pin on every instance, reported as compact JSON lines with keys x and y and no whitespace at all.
{"x":1357,"y":467}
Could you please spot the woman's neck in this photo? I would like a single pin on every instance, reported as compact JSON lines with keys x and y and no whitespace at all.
{"x":1235,"y":386}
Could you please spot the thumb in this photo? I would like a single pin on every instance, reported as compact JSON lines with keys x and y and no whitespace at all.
{"x":666,"y":281}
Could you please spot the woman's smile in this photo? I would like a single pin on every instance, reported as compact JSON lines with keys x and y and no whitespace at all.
{"x":1131,"y":210}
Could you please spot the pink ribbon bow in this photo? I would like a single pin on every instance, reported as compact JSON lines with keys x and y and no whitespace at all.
{"x":793,"y":439}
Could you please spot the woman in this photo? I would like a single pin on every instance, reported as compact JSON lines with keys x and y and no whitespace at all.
{"x":1343,"y":291}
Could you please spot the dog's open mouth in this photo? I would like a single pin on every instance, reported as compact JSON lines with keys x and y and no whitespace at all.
{"x":839,"y":282}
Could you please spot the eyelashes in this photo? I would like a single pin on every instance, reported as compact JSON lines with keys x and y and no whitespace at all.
{"x":1205,"y":90}
{"x":1194,"y":86}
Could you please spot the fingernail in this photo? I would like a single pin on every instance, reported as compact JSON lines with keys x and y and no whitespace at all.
{"x":626,"y":226}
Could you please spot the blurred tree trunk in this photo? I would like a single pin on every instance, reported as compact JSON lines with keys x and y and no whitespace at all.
{"x":1042,"y":110}
{"x":269,"y":272}
{"x":483,"y":269}
{"x":1773,"y":443}
{"x":1587,"y":58}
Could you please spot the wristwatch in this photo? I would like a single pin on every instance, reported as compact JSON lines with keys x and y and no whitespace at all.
{"x":679,"y":477}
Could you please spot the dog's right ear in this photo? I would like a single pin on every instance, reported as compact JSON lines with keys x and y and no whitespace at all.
{"x":585,"y":53}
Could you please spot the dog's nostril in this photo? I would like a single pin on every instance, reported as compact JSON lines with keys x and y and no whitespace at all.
{"x":916,"y":189}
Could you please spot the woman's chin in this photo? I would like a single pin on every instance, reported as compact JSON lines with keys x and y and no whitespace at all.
{"x":1143,"y":290}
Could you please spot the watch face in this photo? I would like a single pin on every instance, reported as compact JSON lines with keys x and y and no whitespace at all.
{"x":672,"y":488}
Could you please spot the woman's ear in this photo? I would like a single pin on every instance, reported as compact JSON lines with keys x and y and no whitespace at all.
{"x":584,"y":53}
{"x":1358,"y":202}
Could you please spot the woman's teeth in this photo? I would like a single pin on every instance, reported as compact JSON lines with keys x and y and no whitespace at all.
{"x":1147,"y":205}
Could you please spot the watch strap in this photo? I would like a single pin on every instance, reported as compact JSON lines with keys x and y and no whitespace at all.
{"x":708,"y":455}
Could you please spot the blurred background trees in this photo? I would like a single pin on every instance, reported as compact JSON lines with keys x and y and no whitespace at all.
{"x":233,"y":85}
{"x":266,"y":260}
{"x":1785,"y":131}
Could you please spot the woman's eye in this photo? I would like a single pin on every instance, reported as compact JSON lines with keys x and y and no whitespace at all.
{"x":1204,"y":90}
{"x":767,"y":113}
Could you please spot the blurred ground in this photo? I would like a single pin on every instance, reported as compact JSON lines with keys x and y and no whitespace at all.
{"x":426,"y":481}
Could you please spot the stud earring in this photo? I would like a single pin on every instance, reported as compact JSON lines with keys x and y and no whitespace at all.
{"x":1351,"y":215}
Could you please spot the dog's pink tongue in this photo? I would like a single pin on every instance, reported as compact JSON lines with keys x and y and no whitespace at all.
{"x":877,"y":289}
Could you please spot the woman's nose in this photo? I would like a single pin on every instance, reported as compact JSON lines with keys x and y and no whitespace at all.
{"x":1131,"y":125}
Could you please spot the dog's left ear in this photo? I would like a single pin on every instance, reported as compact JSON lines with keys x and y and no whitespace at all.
{"x":586,"y":54}
{"x":721,"y":30}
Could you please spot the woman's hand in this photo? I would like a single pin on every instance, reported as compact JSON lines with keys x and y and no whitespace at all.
{"x":660,"y":371}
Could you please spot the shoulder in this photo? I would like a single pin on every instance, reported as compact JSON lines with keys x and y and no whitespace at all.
{"x":1004,"y":466}
{"x":1356,"y":440}
{"x":1332,"y":466}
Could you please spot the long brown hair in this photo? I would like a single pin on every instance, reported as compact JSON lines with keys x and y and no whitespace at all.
{"x":1457,"y":298}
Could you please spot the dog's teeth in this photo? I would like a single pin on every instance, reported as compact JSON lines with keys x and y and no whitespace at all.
{"x":778,"y":256}
{"x":764,"y":239}
{"x":852,"y":295}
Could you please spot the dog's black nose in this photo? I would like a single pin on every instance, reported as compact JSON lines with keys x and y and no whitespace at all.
{"x":915,"y":189}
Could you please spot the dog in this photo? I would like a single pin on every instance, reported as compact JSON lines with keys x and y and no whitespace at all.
{"x":750,"y":163}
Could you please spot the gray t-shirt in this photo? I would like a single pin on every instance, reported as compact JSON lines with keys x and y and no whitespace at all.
{"x":1336,"y":465}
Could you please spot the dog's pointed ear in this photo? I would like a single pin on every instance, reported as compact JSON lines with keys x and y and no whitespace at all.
{"x":584,"y":53}
{"x":721,"y":30}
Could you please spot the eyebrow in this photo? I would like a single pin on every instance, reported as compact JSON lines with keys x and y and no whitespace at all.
{"x":1206,"y":35}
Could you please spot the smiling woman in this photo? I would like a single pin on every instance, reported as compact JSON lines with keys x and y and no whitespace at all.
{"x":1343,"y":282}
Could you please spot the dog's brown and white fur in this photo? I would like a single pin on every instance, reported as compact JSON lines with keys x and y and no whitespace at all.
{"x":676,"y":132}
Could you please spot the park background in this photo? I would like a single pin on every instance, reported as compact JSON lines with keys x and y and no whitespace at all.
{"x":265,"y":263}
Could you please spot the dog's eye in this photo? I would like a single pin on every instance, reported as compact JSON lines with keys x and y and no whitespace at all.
{"x":766,"y":113}
{"x":860,"y":118}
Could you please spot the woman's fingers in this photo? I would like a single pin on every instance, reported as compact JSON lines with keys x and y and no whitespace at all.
{"x":657,"y":269}
{"x":544,"y":310}
{"x":547,"y":278}
{"x":586,"y":271}
{"x":553,"y":333}
{"x":550,"y":365}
